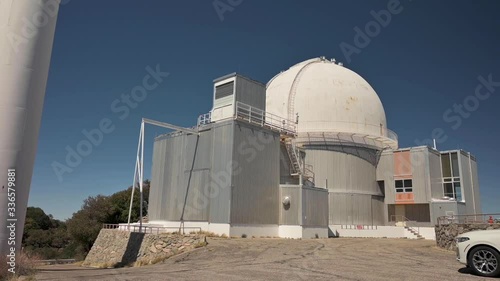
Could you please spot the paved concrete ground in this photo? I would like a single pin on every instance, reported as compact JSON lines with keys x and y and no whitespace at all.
{"x":283,"y":259}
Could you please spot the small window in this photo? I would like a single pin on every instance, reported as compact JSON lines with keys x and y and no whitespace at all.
{"x":408,"y":183}
{"x":399,"y":183}
{"x":404,"y":185}
{"x":224,"y":90}
{"x":448,"y":190}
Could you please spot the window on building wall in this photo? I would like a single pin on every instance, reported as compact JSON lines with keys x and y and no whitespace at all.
{"x":404,"y":185}
{"x":451,"y":176}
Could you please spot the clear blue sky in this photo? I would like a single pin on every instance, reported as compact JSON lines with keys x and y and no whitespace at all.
{"x":427,"y":59}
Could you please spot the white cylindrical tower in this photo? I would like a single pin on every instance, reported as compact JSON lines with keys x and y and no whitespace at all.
{"x":26,"y":36}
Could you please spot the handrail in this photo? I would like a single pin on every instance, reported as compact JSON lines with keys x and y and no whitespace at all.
{"x":470,"y":219}
{"x":257,"y":116}
{"x":55,"y":261}
{"x":147,"y":228}
{"x":406,"y":221}
{"x":263,"y":118}
{"x":205,"y":119}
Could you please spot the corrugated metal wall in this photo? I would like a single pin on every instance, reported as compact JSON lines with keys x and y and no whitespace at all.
{"x":181,"y":165}
{"x":419,"y":158}
{"x":251,"y":92}
{"x":466,"y":182}
{"x":385,"y":172}
{"x":356,"y":209}
{"x":314,"y":207}
{"x":436,"y":175}
{"x":292,"y":214}
{"x":221,"y":173}
{"x":475,"y":181}
{"x":351,"y":184}
{"x":255,"y":192}
{"x":344,"y":172}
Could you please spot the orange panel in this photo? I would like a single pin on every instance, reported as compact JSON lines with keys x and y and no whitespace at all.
{"x":402,"y":164}
{"x":405,"y":198}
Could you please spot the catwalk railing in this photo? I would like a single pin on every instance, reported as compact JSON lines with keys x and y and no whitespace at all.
{"x":470,"y":219}
{"x":151,"y":229}
{"x":258,"y":117}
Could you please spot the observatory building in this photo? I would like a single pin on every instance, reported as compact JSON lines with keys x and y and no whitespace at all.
{"x":307,"y":155}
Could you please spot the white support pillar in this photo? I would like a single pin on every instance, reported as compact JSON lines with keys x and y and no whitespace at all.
{"x":26,"y":36}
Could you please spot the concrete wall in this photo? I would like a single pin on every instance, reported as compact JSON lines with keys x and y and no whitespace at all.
{"x":380,"y":232}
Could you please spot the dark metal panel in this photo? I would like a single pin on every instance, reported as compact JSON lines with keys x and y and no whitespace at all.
{"x":224,"y":90}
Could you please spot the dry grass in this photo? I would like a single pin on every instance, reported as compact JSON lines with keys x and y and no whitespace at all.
{"x":200,"y":244}
{"x":26,"y":267}
{"x":208,"y":234}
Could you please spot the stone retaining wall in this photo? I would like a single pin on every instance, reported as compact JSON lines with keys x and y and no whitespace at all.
{"x":115,"y":248}
{"x":446,"y":234}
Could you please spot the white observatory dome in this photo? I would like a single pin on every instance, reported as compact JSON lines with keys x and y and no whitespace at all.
{"x":330,"y":98}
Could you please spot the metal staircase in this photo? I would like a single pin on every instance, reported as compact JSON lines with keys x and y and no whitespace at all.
{"x":297,"y":167}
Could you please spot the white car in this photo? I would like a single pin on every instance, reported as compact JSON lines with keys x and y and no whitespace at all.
{"x":480,"y":250}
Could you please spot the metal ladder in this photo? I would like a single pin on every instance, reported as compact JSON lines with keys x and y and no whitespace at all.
{"x":293,"y":155}
{"x":297,"y":166}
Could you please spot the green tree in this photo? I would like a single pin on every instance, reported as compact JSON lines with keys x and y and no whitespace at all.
{"x":43,"y":234}
{"x":85,"y":225}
